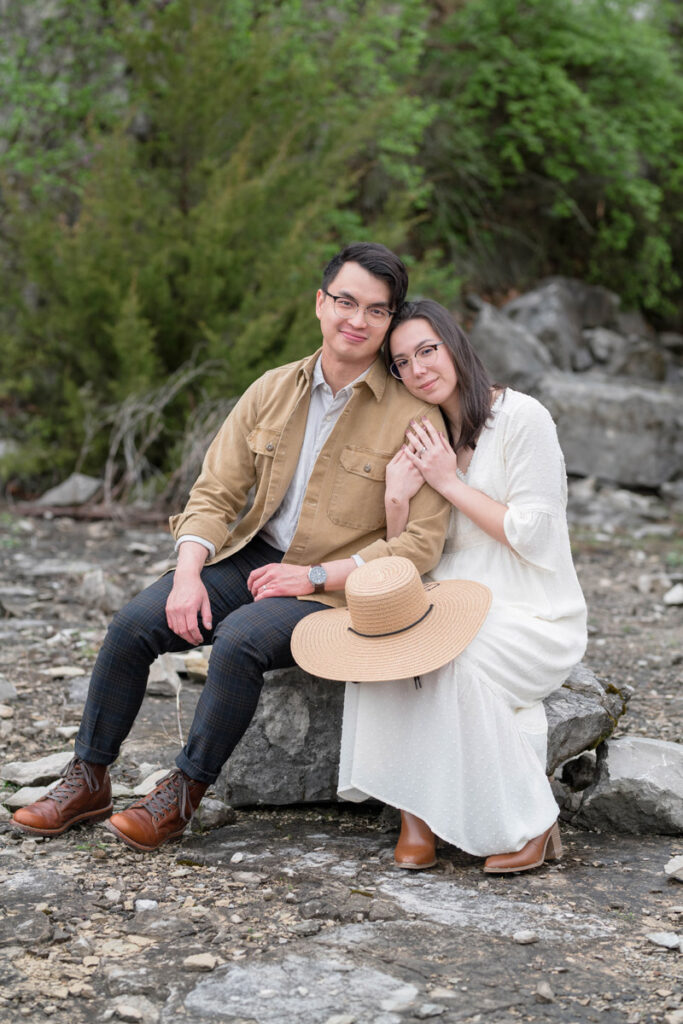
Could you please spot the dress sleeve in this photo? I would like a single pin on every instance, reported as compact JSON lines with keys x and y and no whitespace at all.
{"x":535,"y":523}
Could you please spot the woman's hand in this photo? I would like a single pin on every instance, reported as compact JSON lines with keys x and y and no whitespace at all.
{"x":403,"y":479}
{"x":430,"y":454}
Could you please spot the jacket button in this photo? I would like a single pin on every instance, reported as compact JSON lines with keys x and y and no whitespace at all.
{"x":367,"y":467}
{"x":270,"y":446}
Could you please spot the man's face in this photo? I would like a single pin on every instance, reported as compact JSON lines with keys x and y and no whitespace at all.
{"x":353,"y":341}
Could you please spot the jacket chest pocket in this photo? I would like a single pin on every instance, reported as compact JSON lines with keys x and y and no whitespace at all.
{"x":263,"y":443}
{"x":357,"y":499}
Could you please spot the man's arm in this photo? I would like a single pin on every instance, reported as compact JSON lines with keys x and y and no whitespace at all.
{"x":216,"y":498}
{"x":280,"y":579}
{"x":220,"y":492}
{"x":189,"y":596}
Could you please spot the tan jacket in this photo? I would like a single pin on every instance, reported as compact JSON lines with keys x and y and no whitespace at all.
{"x":343,"y":510}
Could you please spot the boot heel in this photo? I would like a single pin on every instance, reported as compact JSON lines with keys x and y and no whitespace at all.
{"x":553,"y":848}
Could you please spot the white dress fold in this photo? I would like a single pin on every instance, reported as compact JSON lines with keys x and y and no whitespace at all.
{"x":466,"y":751}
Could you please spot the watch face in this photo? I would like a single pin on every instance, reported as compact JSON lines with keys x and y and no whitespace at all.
{"x":317,"y":575}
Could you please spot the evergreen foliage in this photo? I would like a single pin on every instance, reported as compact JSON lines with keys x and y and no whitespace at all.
{"x":173,"y":176}
{"x":557,"y":144}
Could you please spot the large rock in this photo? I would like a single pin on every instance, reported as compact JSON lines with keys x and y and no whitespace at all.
{"x":290,"y":753}
{"x":75,"y":490}
{"x":638,"y":788}
{"x":512,"y":355}
{"x":558,"y":310}
{"x":580,"y":715}
{"x":616,"y":430}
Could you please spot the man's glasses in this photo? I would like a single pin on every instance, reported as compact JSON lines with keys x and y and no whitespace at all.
{"x":346,"y":307}
{"x":425,"y":356}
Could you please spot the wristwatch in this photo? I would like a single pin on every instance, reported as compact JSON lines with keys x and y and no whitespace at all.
{"x":318,"y":577}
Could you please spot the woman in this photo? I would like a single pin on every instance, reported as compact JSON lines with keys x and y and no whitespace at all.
{"x":463,"y":755}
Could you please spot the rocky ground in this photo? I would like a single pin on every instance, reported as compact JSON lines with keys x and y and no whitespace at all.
{"x":298,"y":914}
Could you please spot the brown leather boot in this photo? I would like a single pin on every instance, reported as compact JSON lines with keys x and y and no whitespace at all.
{"x":547,"y":846}
{"x":84,"y":794}
{"x":416,"y":846}
{"x":161,"y":815}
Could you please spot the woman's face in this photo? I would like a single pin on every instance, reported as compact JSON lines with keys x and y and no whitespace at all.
{"x":424,"y":362}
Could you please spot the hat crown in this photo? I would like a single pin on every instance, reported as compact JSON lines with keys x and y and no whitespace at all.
{"x":385,"y":596}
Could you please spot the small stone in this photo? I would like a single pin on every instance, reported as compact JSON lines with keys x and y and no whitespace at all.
{"x":143,"y":905}
{"x":306,"y":928}
{"x":6,"y":711}
{"x":248,"y":877}
{"x":237,"y":858}
{"x":67,"y":731}
{"x":674,"y":868}
{"x":674,"y":1018}
{"x":544,"y":993}
{"x":7,"y":690}
{"x":402,"y":999}
{"x":214,"y":814}
{"x":196,"y":666}
{"x":428,"y":1010}
{"x":112,"y":895}
{"x":200,"y":962}
{"x":35,"y":773}
{"x":63,"y":671}
{"x":119,"y":790}
{"x":669,"y":940}
{"x":148,"y":784}
{"x":341,"y":1018}
{"x":524,"y":937}
{"x":25,"y":796}
{"x":675,"y":595}
{"x":128,"y":1012}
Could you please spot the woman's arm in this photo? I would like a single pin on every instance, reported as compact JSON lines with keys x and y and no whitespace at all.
{"x":433,"y":457}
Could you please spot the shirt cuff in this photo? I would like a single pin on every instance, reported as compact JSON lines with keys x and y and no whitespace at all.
{"x":198,"y":540}
{"x":358,"y":560}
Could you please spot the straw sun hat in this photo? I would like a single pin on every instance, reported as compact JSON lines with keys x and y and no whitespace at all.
{"x":394,"y":626}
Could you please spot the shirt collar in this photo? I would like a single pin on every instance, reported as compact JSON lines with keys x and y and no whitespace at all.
{"x":375,"y":376}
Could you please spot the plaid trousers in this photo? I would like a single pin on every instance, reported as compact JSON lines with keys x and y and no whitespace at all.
{"x":248,"y":638}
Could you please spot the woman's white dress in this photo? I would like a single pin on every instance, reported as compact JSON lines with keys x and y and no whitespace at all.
{"x":466,"y":752}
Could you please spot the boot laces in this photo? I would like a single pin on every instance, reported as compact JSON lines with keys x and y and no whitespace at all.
{"x":173,"y":790}
{"x":73,"y":776}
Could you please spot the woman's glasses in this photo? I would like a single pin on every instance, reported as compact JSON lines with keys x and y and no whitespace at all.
{"x":425,"y":355}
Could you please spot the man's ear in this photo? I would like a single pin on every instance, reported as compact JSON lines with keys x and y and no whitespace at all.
{"x":319,"y":299}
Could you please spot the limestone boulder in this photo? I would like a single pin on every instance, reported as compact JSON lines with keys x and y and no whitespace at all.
{"x":510,"y":353}
{"x":614,"y":429}
{"x":638,"y":788}
{"x":75,"y":490}
{"x":290,"y":753}
{"x":558,"y":310}
{"x":581,"y":714}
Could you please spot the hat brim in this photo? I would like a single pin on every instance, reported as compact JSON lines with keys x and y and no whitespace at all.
{"x":324,"y":644}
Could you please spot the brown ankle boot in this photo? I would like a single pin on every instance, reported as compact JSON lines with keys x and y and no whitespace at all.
{"x":547,"y":846}
{"x":84,"y":794}
{"x":416,"y":846}
{"x":161,"y":815}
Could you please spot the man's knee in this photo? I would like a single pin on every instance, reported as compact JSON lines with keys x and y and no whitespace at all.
{"x":142,"y":619}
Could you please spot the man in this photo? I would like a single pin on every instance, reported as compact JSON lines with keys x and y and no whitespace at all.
{"x":312,"y":439}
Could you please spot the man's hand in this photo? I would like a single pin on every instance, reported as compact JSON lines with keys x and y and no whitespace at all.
{"x":279,"y":580}
{"x":189,"y":595}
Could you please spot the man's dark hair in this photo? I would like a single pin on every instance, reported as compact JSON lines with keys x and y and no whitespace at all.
{"x":378,"y":261}
{"x":473,"y":382}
